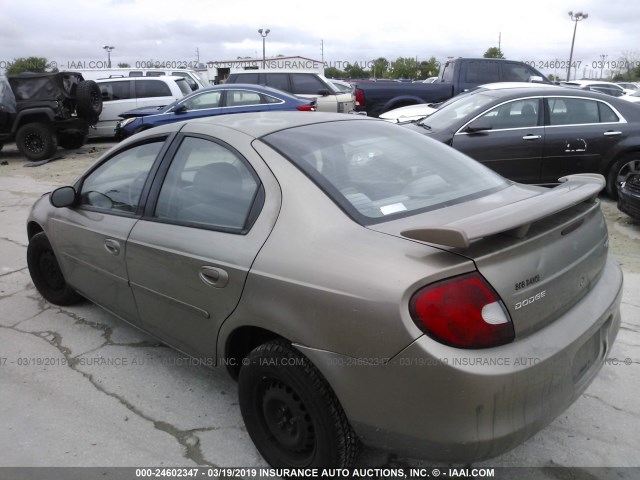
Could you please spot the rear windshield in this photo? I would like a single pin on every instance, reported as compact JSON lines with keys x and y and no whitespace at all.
{"x":377,"y":171}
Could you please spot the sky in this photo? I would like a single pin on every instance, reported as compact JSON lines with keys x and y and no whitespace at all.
{"x":540,"y":32}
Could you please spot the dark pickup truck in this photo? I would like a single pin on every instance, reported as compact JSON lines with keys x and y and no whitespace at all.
{"x":456,"y":76}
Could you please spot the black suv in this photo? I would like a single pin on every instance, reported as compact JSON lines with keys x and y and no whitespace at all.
{"x":40,"y":111}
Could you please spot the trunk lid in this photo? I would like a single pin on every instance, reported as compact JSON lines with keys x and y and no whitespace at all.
{"x":541,"y":249}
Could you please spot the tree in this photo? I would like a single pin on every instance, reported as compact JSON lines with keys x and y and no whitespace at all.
{"x":333,"y":72}
{"x":404,"y":67}
{"x":355,"y":71}
{"x":30,"y":64}
{"x":493,"y":52}
{"x":380,"y":67}
{"x":124,"y":65}
{"x":428,"y":68}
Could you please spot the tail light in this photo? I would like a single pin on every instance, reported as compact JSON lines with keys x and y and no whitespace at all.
{"x":360,"y":101}
{"x":463,"y":312}
{"x":306,"y":108}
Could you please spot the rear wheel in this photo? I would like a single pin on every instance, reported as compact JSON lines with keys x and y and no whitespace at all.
{"x":36,"y":141}
{"x":290,"y":411}
{"x":46,"y":274}
{"x":621,"y":170}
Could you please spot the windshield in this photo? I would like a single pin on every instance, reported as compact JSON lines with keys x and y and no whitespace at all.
{"x":377,"y":171}
{"x":450,"y":113}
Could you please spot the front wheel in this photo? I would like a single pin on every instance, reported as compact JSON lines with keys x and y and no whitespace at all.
{"x":290,"y":411}
{"x":46,"y":274}
{"x":620,"y":171}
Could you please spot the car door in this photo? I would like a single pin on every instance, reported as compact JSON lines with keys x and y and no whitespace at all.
{"x":508,"y":138}
{"x":188,"y":258}
{"x":308,"y":85}
{"x":91,"y":236}
{"x":153,"y":93}
{"x":578,"y":133}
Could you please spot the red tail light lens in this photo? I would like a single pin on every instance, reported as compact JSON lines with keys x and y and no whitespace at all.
{"x":306,"y":108}
{"x":463,"y":312}
{"x":360,"y":101}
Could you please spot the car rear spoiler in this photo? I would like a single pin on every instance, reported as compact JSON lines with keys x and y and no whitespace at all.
{"x":515,"y":218}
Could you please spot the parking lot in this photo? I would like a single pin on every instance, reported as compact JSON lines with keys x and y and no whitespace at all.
{"x":82,"y":388}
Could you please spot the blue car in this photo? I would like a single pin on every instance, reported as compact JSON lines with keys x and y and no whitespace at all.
{"x":207,"y":102}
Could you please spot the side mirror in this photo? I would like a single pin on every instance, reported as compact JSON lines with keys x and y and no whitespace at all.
{"x":63,"y":197}
{"x":536,"y":79}
{"x":480,"y":125}
{"x":323,"y":92}
{"x":180,"y":109}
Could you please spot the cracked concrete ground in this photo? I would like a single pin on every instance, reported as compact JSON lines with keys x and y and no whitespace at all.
{"x":78,"y":387}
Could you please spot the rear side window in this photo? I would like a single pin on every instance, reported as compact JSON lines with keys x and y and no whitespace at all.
{"x":481,"y":72}
{"x":152,"y":88}
{"x":306,"y":84}
{"x":514,"y":72}
{"x":576,"y":111}
{"x":252,"y":78}
{"x":155,"y":74}
{"x":241,"y":98}
{"x":279,"y":81}
{"x":115,"y":90}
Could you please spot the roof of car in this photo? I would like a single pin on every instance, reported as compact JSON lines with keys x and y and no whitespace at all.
{"x":258,"y":124}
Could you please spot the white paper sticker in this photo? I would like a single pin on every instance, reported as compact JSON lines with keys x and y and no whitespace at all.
{"x":394,"y":208}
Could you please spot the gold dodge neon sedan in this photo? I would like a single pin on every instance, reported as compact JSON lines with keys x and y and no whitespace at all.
{"x":363,"y":283}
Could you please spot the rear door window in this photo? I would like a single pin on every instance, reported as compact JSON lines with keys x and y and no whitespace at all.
{"x":115,"y":90}
{"x":279,"y":81}
{"x":306,"y":84}
{"x":152,"y":88}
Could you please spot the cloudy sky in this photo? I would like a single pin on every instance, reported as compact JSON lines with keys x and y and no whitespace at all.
{"x":160,"y":30}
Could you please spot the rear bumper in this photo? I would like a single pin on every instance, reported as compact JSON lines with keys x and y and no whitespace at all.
{"x":441,"y":403}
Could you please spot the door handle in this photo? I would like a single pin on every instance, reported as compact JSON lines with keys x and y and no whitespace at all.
{"x":112,"y":246}
{"x":214,"y":276}
{"x":612,"y":133}
{"x":532,"y":137}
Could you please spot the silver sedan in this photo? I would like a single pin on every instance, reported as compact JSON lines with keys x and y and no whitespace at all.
{"x":364,"y":284}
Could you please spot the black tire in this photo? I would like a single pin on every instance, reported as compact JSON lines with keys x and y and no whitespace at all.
{"x":72,"y":141}
{"x":36,"y":141}
{"x":46,"y":274}
{"x":625,"y":166}
{"x":290,"y":411}
{"x":88,"y":99}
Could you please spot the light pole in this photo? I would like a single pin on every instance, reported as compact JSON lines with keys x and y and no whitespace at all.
{"x":575,"y":17}
{"x":603,"y":57}
{"x":263,"y":34}
{"x":108,"y":48}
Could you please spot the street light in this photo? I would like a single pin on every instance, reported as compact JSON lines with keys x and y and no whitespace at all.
{"x":576,"y":17}
{"x":108,"y":48}
{"x":263,"y":35}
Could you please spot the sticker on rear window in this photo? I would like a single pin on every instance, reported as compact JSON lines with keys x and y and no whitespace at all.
{"x":393,"y":208}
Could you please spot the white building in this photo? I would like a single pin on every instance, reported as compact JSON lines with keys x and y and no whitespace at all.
{"x":220,"y":70}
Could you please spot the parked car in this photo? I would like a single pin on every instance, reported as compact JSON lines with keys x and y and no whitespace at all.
{"x":630,"y":86}
{"x":633,"y":97}
{"x":412,"y":113}
{"x":302,"y":84}
{"x":607,"y":88}
{"x":120,"y":95}
{"x":207,"y":102}
{"x":629,"y":195}
{"x":39,"y":111}
{"x":192,"y":77}
{"x":354,"y":276}
{"x":540,"y":135}
{"x":456,"y":76}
